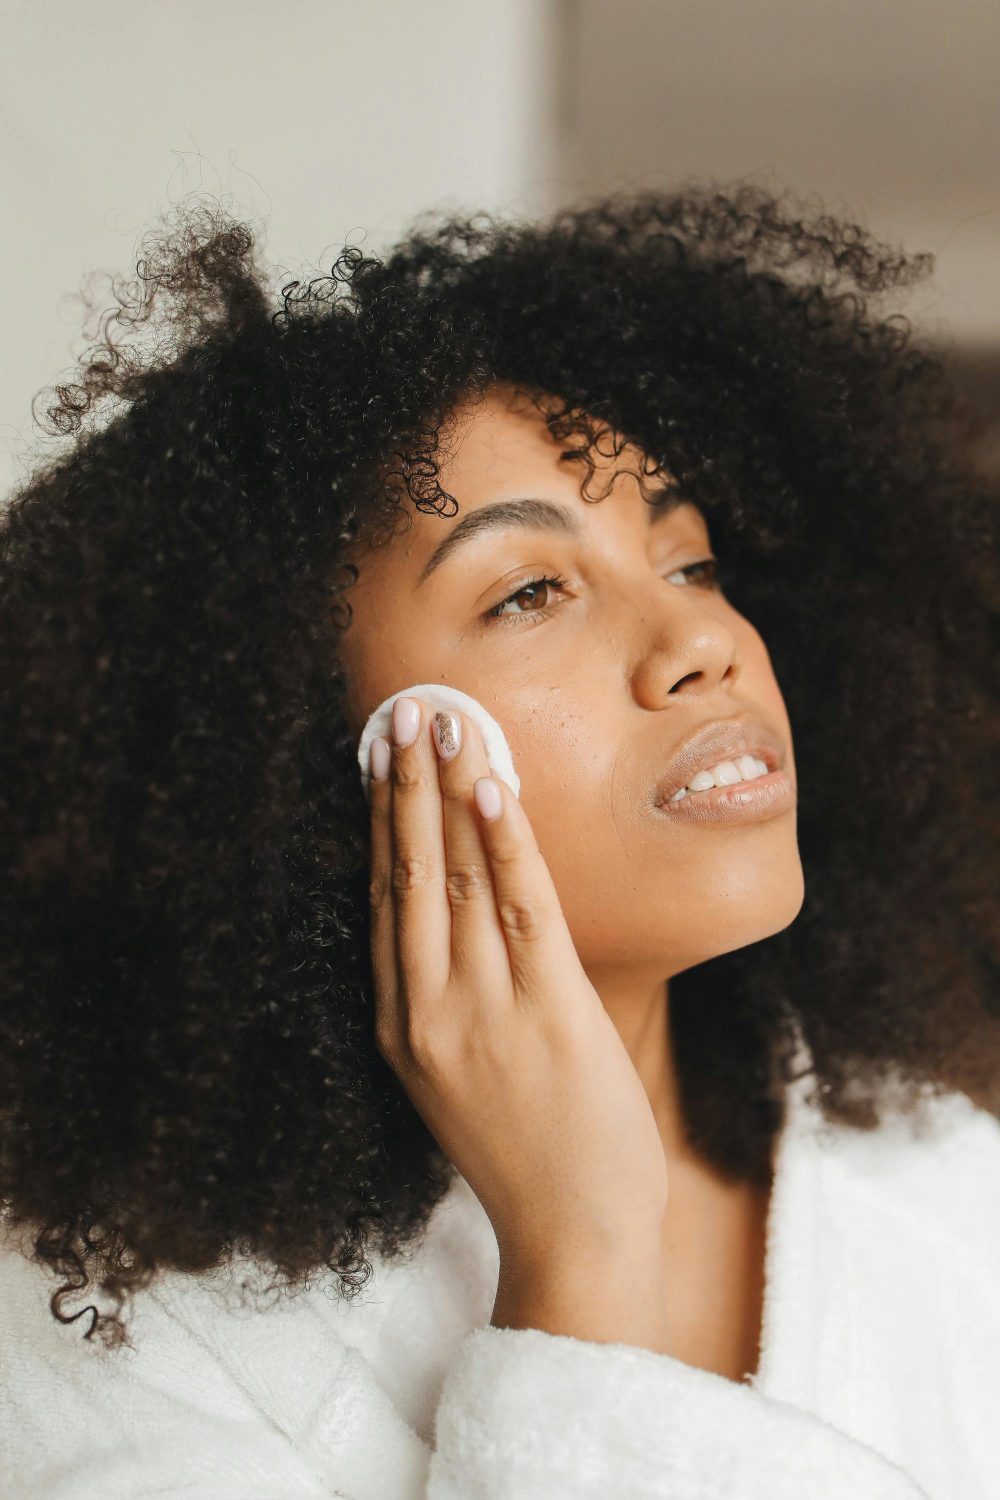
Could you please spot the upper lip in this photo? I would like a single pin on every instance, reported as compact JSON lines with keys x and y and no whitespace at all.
{"x":722,"y":739}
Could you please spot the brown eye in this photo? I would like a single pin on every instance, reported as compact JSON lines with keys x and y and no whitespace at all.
{"x":707,"y":572}
{"x":496,"y":613}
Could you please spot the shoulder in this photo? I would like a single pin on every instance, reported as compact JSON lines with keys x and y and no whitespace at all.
{"x":933,"y":1172}
{"x":225,"y":1352}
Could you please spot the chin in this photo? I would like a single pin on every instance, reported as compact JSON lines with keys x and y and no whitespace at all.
{"x":773,"y":914}
{"x":745,"y":917}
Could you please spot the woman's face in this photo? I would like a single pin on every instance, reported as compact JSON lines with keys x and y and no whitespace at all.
{"x":596,"y":684}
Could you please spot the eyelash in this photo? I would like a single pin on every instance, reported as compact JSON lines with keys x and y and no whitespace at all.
{"x":712,"y":564}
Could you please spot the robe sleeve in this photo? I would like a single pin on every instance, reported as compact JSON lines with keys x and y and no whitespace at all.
{"x":525,"y":1414}
{"x":281,"y":1408}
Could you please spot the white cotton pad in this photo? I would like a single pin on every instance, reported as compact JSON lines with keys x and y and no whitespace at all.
{"x":437,"y":695}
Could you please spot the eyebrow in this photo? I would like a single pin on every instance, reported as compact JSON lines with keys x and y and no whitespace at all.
{"x":532,"y":514}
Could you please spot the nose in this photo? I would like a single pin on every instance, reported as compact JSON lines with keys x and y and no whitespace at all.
{"x":684,"y":646}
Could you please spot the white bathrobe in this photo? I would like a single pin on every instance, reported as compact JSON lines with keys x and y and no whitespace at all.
{"x":878,"y":1377}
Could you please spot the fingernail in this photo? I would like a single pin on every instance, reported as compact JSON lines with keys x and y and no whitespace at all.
{"x":447,"y":731}
{"x":405,"y":720}
{"x":378,"y":758}
{"x":488,"y":799}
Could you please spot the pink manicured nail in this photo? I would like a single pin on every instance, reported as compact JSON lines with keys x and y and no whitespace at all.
{"x":379,"y":756}
{"x":405,"y":720}
{"x":488,"y":799}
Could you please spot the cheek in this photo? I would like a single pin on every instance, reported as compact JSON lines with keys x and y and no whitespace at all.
{"x":592,"y":841}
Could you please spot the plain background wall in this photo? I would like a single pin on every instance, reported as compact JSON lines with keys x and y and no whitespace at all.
{"x":889,"y":110}
{"x":325,"y":122}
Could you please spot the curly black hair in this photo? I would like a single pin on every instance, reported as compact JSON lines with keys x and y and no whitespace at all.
{"x":187,"y":1055}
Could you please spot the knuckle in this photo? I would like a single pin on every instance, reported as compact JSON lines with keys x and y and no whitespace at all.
{"x":510,"y":855}
{"x":406,"y":773}
{"x":379,"y":888}
{"x":423,"y":1041}
{"x":410,"y":872}
{"x":522,"y":919}
{"x":467,"y":882}
{"x":451,"y":790}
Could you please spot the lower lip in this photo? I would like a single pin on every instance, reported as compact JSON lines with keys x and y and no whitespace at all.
{"x":743,"y":802}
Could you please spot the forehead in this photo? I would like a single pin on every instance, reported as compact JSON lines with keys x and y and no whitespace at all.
{"x":504,"y":436}
{"x":500,"y":447}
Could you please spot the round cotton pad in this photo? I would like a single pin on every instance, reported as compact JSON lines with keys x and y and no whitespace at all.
{"x":438,"y":695}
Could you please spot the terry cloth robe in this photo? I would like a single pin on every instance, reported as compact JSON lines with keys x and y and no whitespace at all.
{"x":878,"y":1377}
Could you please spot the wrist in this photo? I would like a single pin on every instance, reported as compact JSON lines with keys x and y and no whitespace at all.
{"x":598,"y":1297}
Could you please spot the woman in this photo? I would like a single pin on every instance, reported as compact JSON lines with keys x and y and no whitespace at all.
{"x":636,"y":1134}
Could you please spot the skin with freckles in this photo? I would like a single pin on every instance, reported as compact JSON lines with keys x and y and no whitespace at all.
{"x":596,"y":684}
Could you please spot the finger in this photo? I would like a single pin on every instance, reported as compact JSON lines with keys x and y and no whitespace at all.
{"x":477,"y":941}
{"x":539,"y":945}
{"x":423,"y":916}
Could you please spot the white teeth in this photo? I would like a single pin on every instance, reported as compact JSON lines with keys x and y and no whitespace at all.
{"x":726,"y":773}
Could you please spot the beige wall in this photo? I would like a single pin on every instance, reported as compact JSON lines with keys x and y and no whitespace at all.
{"x":888,"y":109}
{"x":327,"y":120}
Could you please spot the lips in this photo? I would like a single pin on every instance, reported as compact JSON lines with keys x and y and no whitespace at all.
{"x":722,"y":739}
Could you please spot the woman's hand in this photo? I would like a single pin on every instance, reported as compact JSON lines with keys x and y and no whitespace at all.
{"x":485,"y":1013}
